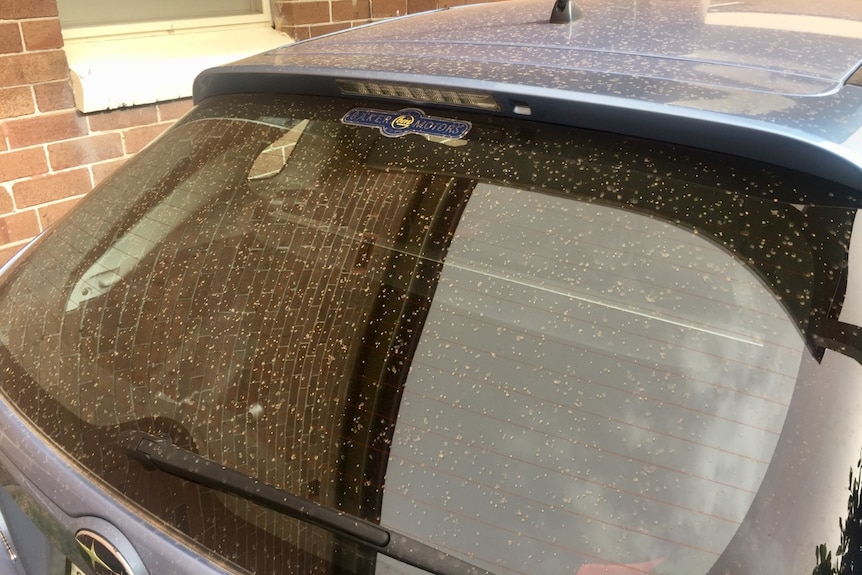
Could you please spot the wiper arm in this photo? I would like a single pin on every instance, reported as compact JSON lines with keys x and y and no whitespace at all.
{"x":160,"y":453}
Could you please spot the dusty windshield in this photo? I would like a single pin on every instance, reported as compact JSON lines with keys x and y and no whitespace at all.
{"x":538,"y":350}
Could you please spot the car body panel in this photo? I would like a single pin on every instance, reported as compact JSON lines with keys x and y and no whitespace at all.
{"x":671,"y":41}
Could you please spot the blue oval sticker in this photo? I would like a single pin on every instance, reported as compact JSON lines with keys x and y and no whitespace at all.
{"x":407,"y":121}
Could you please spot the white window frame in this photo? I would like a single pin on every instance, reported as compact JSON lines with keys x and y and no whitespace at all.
{"x":122,"y":65}
{"x":172,"y":25}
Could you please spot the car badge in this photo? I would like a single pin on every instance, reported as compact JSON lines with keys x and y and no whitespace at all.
{"x":101,"y":555}
{"x":407,"y":121}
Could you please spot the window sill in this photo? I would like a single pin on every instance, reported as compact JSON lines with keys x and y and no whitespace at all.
{"x":117,"y":72}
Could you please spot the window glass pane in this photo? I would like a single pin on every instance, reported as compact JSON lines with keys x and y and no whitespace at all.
{"x":590,"y":389}
{"x":83,"y":13}
{"x":532,"y":347}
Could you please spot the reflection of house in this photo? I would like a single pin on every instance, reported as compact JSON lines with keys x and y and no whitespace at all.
{"x":78,"y":96}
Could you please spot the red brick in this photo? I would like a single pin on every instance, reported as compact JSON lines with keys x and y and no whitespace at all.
{"x":16,"y":102}
{"x":136,"y":139}
{"x":388,"y":8}
{"x":82,"y":151}
{"x":46,"y":128}
{"x":10,"y":38}
{"x":53,"y":96}
{"x":121,"y":119}
{"x":22,"y":163}
{"x":298,"y":33}
{"x":18,"y":9}
{"x":346,"y":10}
{"x":315,"y":31}
{"x":51,"y":187}
{"x":415,"y":6}
{"x":32,"y":68}
{"x":299,"y":13}
{"x":6,"y":203}
{"x":105,"y":169}
{"x":20,"y":226}
{"x":49,"y":215}
{"x":42,"y":34}
{"x":277,"y":7}
{"x":174,"y":110}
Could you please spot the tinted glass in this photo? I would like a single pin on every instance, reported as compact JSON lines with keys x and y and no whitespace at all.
{"x":536,"y":349}
{"x":621,"y":407}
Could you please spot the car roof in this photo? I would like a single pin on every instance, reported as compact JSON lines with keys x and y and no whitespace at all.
{"x":672,"y":40}
{"x":739,"y":77}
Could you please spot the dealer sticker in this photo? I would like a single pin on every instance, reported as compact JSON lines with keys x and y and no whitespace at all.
{"x":407,"y":121}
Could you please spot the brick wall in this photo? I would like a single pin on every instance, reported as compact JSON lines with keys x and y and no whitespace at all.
{"x":304,"y":19}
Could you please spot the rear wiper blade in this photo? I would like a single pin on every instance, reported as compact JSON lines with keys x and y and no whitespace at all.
{"x":161,"y":453}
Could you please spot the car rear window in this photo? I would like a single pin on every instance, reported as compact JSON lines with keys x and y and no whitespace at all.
{"x":537,"y":349}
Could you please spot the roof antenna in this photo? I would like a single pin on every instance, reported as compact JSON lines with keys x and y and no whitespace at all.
{"x":565,"y":12}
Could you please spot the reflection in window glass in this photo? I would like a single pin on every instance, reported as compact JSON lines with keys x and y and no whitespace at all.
{"x":589,"y":389}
